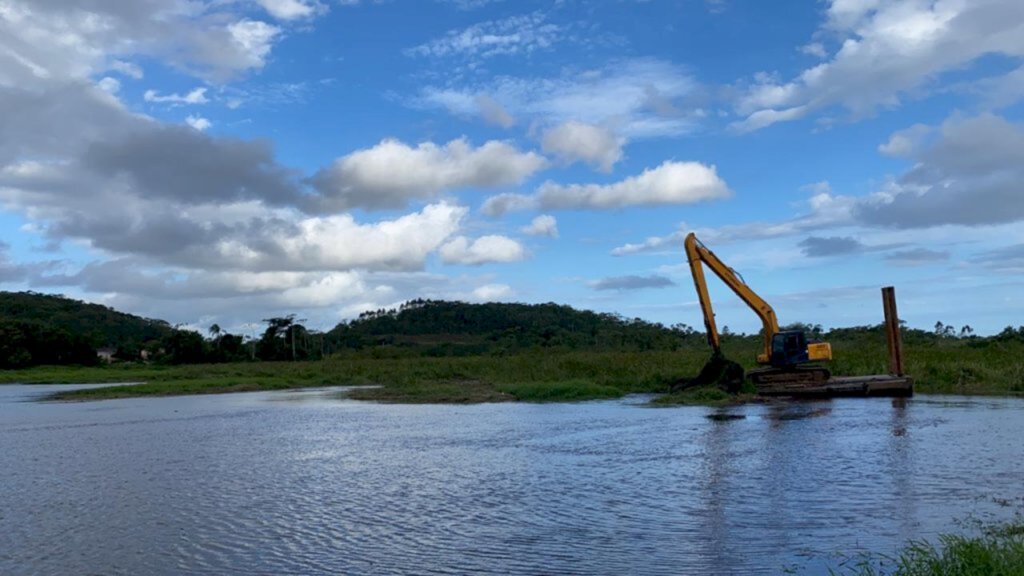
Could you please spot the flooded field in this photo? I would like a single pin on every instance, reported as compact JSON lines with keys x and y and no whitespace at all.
{"x":309,"y":483}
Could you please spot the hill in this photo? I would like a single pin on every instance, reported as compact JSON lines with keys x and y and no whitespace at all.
{"x":443,"y":328}
{"x":46,"y":329}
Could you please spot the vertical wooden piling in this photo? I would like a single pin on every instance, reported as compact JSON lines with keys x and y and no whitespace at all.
{"x":892,"y":330}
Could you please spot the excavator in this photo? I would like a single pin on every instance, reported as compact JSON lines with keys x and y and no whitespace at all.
{"x":787,"y":358}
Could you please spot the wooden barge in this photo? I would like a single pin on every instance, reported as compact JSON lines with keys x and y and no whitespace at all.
{"x":896,"y":384}
{"x":882,"y":385}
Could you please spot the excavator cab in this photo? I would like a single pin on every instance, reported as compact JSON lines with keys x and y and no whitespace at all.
{"x":789,"y":349}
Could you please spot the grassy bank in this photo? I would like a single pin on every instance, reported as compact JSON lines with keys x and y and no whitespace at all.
{"x":955,"y":367}
{"x":535,"y":377}
{"x":999,"y":551}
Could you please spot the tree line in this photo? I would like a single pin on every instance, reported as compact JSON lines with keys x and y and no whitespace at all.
{"x":44,"y":329}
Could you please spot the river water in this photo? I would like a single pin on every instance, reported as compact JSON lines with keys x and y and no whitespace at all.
{"x":310,"y":483}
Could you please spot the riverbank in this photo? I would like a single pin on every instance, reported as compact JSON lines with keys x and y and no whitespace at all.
{"x":997,"y":550}
{"x":537,"y":376}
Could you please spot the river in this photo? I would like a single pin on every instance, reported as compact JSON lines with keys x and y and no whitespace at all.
{"x":308,"y":482}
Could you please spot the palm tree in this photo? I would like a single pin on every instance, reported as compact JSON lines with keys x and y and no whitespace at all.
{"x":214,"y":331}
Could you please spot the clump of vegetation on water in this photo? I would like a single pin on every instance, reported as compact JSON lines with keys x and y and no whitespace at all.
{"x":706,"y":396}
{"x":999,"y":551}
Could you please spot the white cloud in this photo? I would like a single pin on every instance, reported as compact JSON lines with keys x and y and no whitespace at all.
{"x":253,"y":40}
{"x":670,"y":183}
{"x":392,"y":173}
{"x":493,"y":248}
{"x":963,"y":182}
{"x":109,"y":85}
{"x":523,"y":34}
{"x":970,"y":175}
{"x":576,"y":141}
{"x":466,"y":4}
{"x":127,"y":68}
{"x":198,"y":122}
{"x":507,"y":202}
{"x":62,"y":40}
{"x":638,"y":98}
{"x":340,"y":243}
{"x":196,"y":96}
{"x":887,"y":51}
{"x":492,"y":293}
{"x":543,"y":225}
{"x":905,"y":143}
{"x":290,"y":9}
{"x":816,"y":49}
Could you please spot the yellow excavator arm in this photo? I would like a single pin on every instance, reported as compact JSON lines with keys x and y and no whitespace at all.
{"x":696,"y":254}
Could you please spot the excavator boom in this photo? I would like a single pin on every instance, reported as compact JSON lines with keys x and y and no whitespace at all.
{"x":786,"y":353}
{"x":696,"y":254}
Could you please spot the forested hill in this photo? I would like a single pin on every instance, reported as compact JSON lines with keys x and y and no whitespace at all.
{"x":43,"y":328}
{"x":453,"y":327}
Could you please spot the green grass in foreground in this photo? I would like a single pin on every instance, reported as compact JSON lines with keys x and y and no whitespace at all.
{"x":999,"y":552}
{"x":539,"y":376}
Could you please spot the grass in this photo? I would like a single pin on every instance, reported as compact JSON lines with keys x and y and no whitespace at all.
{"x":953,"y":367}
{"x":998,"y":551}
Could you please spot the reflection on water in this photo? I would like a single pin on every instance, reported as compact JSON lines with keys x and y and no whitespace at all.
{"x":306,"y":483}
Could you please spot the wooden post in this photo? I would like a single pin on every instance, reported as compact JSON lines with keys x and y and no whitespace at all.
{"x":892,"y":330}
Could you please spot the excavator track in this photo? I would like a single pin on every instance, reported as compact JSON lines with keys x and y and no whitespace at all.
{"x":783,"y":381}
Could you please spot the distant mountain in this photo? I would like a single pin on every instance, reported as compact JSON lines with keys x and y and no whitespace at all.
{"x":47,"y":329}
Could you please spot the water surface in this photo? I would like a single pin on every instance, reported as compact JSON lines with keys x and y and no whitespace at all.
{"x":308,"y":483}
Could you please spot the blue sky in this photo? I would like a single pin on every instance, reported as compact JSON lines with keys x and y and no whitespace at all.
{"x":227,"y":161}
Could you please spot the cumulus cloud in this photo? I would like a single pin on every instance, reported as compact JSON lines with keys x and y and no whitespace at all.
{"x":970,"y":175}
{"x":109,"y":85}
{"x":905,"y":143}
{"x":486,"y":249}
{"x":543,"y":225}
{"x":290,"y":9}
{"x":202,"y":37}
{"x":492,"y":293}
{"x":822,"y":210}
{"x":576,"y":141}
{"x":637,"y":98}
{"x":886,"y":51}
{"x":670,"y":183}
{"x":507,"y":202}
{"x":198,"y":122}
{"x":392,"y":173}
{"x":621,"y":283}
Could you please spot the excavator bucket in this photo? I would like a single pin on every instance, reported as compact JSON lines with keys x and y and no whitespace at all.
{"x":717,"y":371}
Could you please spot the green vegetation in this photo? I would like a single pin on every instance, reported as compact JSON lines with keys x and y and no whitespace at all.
{"x":401,"y":375}
{"x":428,"y":351}
{"x":997,"y":552}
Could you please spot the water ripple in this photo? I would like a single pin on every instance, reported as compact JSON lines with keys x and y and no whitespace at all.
{"x":248,"y":484}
